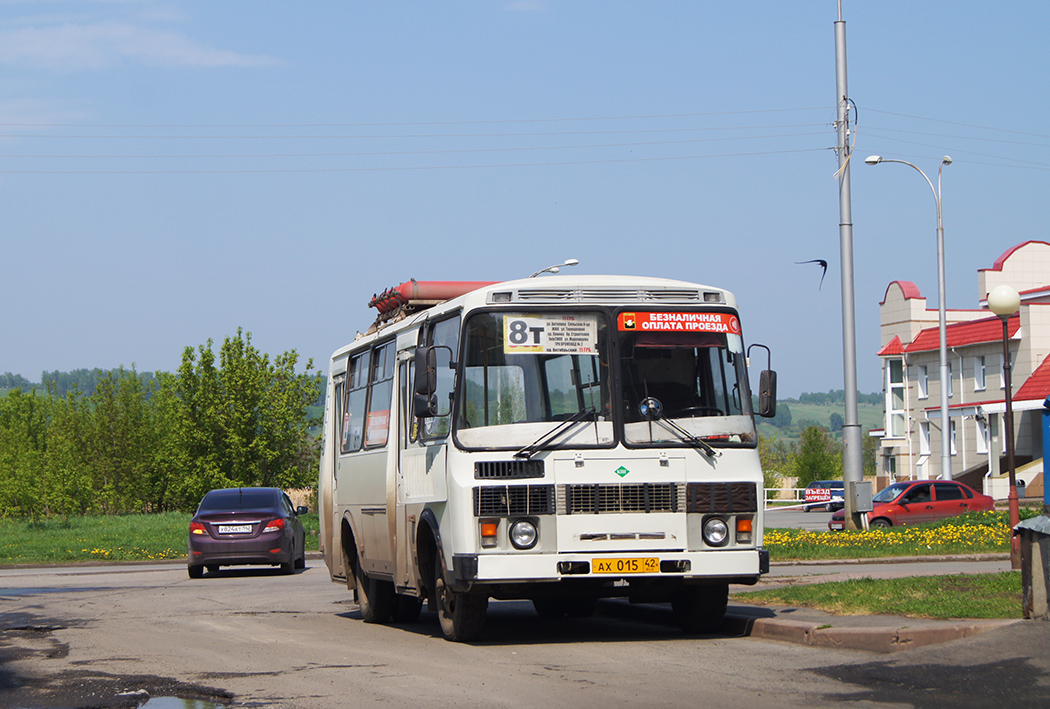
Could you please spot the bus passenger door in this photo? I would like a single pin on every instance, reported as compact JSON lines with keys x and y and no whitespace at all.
{"x":421,"y":465}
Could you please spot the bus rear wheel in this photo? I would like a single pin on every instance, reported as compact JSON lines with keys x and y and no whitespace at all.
{"x":461,"y":615}
{"x":700,"y":609}
{"x":374,"y":598}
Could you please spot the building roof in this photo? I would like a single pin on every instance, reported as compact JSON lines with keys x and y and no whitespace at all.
{"x":964,"y":333}
{"x":1001,"y":261}
{"x":908,"y":289}
{"x":893,"y":347}
{"x":1036,"y":386}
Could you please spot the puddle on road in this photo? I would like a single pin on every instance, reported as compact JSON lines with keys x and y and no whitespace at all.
{"x":33,"y":591}
{"x":176,"y":703}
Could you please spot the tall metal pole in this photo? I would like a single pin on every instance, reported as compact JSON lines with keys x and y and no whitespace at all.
{"x":942,"y":328}
{"x":852,"y":466}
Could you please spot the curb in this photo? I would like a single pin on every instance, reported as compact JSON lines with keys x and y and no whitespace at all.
{"x":992,"y":556}
{"x":886,"y":639}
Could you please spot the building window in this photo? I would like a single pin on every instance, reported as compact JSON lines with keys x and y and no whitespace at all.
{"x":978,"y":374}
{"x":924,"y":438}
{"x":982,"y":435}
{"x":952,"y":434}
{"x":895,"y":412}
{"x":924,"y":381}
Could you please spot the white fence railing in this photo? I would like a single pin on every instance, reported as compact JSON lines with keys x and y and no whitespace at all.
{"x":785,"y":494}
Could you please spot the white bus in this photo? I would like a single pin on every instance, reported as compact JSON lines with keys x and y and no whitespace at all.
{"x":561,"y":439}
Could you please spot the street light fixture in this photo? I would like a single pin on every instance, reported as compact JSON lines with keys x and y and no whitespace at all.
{"x":1004,"y":302}
{"x":946,"y":455}
{"x":557,"y":267}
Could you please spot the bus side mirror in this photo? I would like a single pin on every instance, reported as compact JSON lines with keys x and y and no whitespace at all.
{"x":428,"y":361}
{"x":767,"y":386}
{"x":767,"y":394}
{"x":424,"y":401}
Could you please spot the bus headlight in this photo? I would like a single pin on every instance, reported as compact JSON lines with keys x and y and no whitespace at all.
{"x":716,"y":531}
{"x":523,"y":534}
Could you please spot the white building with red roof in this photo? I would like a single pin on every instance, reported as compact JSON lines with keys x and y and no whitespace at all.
{"x":910,"y":355}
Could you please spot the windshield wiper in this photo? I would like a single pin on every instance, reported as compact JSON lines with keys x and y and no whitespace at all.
{"x":533,"y":448}
{"x":652,"y":410}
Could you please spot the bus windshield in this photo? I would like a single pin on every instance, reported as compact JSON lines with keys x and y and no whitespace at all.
{"x":696,"y":378}
{"x":524,"y":373}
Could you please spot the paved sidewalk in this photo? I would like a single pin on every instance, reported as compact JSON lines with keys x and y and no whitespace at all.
{"x":872,"y":633}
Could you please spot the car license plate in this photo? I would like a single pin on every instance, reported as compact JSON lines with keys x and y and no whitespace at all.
{"x":648,"y":565}
{"x":235,"y":529}
{"x":837,"y":525}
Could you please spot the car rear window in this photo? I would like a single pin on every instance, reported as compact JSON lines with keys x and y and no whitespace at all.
{"x":237,"y":500}
{"x":948,"y":491}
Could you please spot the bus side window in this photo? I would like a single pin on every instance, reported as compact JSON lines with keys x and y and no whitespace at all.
{"x":381,"y":383}
{"x":354,"y":411}
{"x":444,"y":333}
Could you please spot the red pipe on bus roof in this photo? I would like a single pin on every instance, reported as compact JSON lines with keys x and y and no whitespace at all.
{"x":427,"y":291}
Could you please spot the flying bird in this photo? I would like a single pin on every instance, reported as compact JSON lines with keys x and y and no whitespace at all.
{"x":823,"y":264}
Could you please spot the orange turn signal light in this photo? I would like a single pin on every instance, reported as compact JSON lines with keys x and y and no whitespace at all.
{"x":488,"y":529}
{"x":743,"y":525}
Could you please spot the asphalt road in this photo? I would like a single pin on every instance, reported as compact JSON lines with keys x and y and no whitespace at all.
{"x":110,"y":636}
{"x":816,"y":520}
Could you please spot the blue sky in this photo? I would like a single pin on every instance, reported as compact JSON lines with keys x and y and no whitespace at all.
{"x":172,"y":171}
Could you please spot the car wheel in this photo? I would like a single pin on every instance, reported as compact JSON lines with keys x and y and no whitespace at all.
{"x":805,"y":508}
{"x":461,"y":615}
{"x":880,"y":523}
{"x":374,"y":598}
{"x":195,"y":571}
{"x":700,"y":609}
{"x":829,"y":507}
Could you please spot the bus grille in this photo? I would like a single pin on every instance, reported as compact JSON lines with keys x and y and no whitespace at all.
{"x":721,"y":497}
{"x":613,"y":497}
{"x":508,"y":469}
{"x":506,"y":500}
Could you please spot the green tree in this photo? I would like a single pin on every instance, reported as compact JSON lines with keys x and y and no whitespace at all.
{"x":819,"y":456}
{"x":869,"y":454}
{"x":836,"y":421}
{"x":243,"y":422}
{"x":777,"y":458}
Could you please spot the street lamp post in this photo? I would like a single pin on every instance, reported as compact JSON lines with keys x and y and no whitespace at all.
{"x":1004,"y":302}
{"x":946,"y":451}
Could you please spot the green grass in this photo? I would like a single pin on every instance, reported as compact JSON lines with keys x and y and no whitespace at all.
{"x":105,"y":538}
{"x":973,"y":533}
{"x":942,"y":597}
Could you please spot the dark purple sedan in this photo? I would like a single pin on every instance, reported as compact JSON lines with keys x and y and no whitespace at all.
{"x":246,"y":525}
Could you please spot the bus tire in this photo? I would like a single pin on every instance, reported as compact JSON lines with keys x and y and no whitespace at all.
{"x":407,"y":609}
{"x":549,"y":607}
{"x":700,"y":609}
{"x":460,"y":615}
{"x":374,"y":598}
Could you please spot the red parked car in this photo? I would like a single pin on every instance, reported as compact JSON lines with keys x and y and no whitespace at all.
{"x":920,"y":501}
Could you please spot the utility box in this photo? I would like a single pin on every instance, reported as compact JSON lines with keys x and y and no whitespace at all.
{"x":861,"y":492}
{"x":1035,"y":567}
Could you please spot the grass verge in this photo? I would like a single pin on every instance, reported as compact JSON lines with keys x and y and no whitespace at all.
{"x":941,"y":597}
{"x":105,"y":538}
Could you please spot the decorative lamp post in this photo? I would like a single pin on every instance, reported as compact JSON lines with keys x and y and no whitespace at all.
{"x":946,"y":451}
{"x":1004,"y":302}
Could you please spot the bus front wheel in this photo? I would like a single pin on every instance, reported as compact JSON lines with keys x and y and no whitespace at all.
{"x":700,"y":609}
{"x":461,"y":615}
